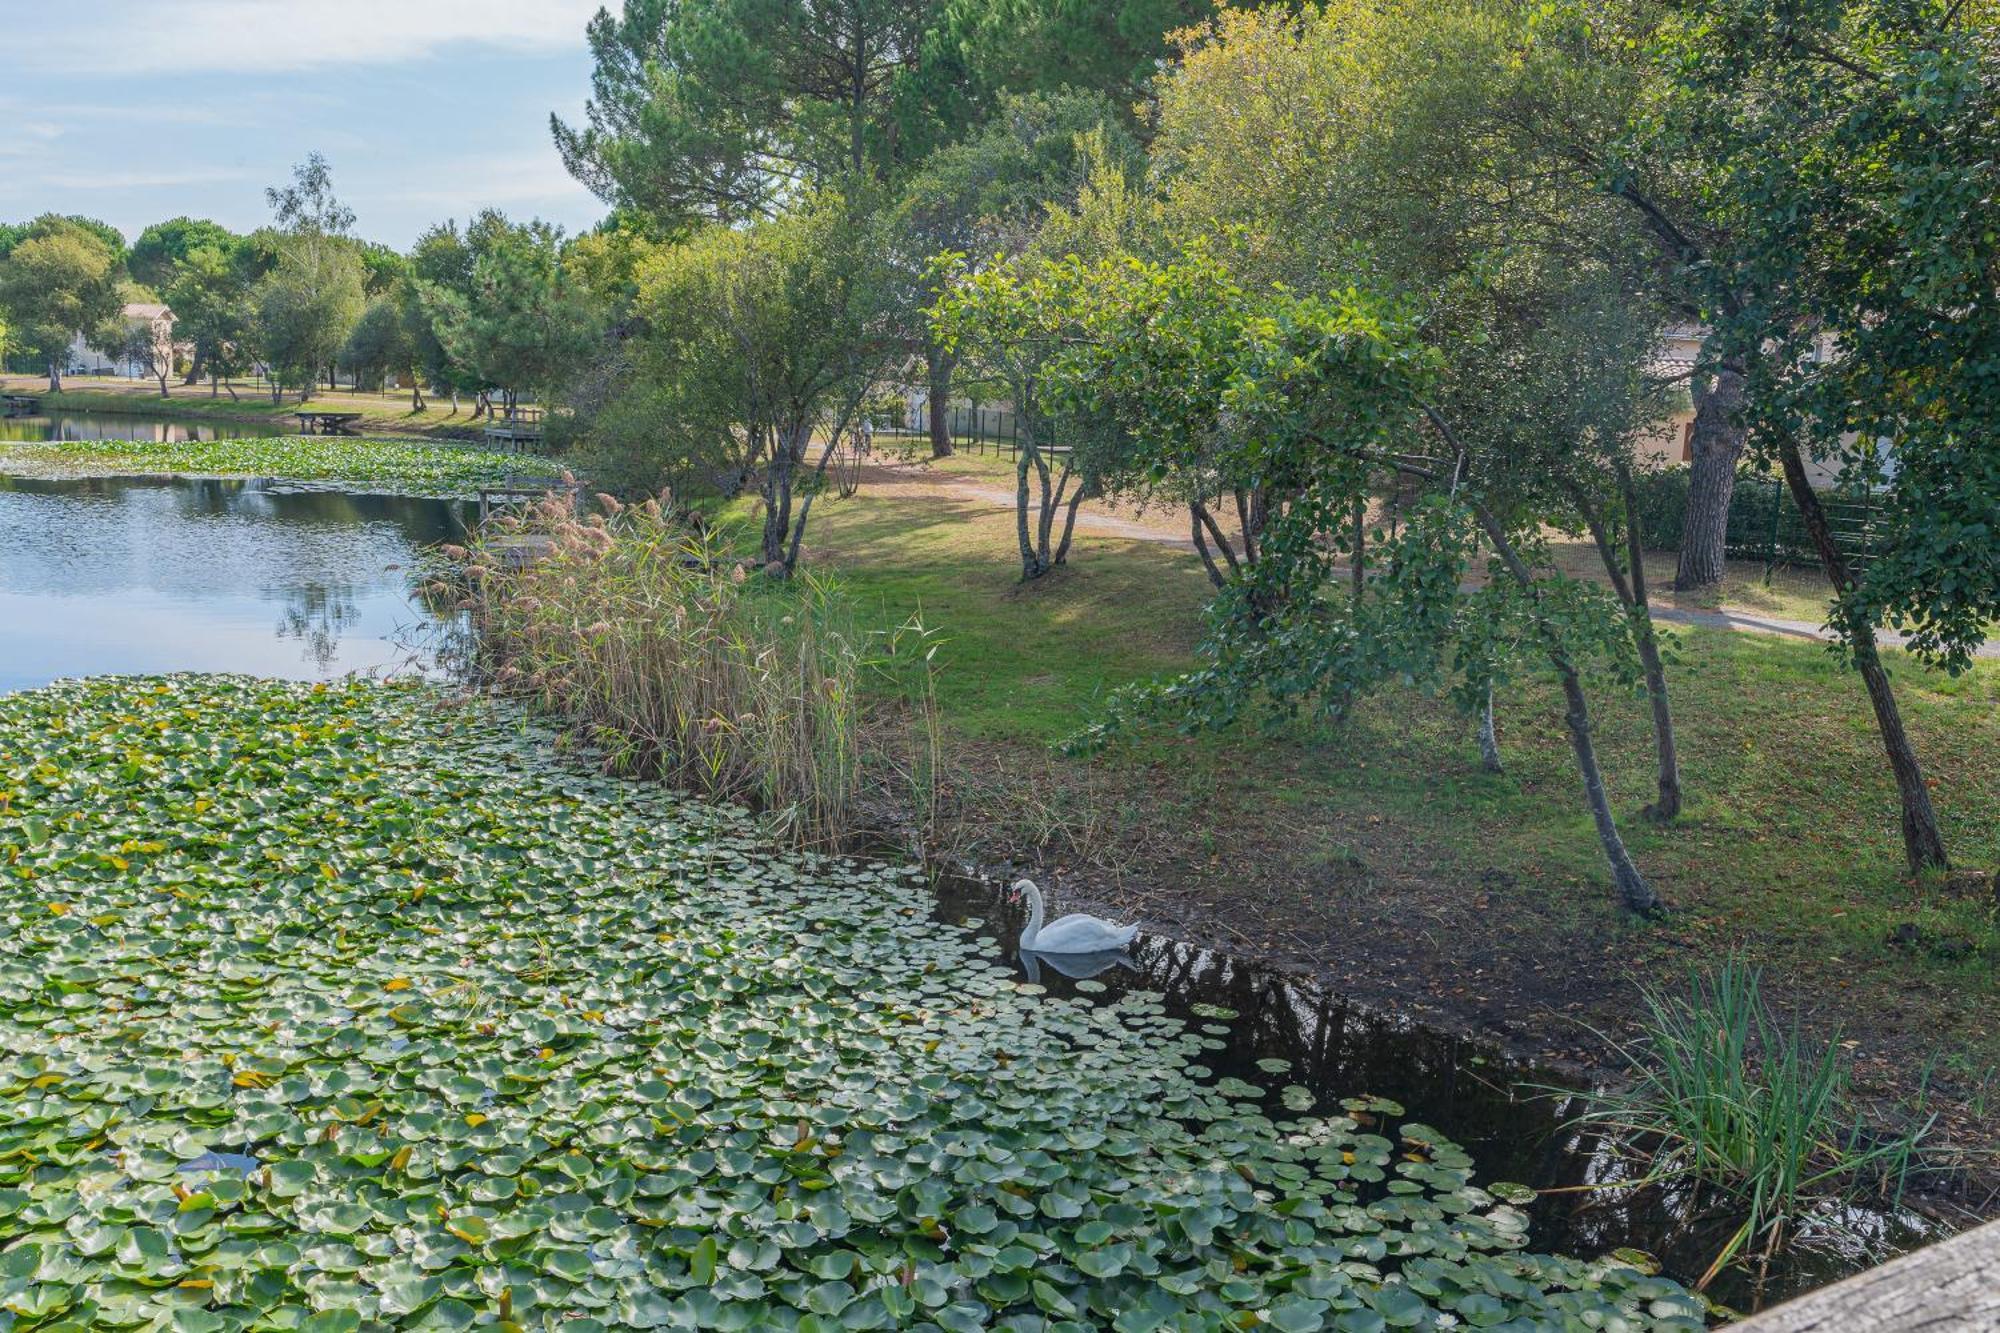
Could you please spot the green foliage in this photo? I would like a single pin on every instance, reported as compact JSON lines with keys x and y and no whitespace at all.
{"x":486,"y":1038}
{"x":59,"y":281}
{"x":1848,"y":252}
{"x":763,"y":336}
{"x":161,"y":248}
{"x":314,"y":292}
{"x":1724,"y":1094}
{"x":726,"y":110}
{"x":519,"y":321}
{"x":411,"y":467}
{"x":380,"y":341}
{"x":211,"y":294}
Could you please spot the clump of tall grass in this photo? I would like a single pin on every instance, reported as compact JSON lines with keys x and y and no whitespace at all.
{"x":1724,"y":1096}
{"x":635,"y":628}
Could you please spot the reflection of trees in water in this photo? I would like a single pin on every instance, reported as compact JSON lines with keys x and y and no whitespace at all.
{"x":317,"y":614}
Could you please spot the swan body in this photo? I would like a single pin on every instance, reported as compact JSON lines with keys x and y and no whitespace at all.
{"x":1076,"y":933}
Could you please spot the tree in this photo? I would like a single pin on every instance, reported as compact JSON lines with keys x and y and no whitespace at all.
{"x":164,"y":245}
{"x":312,"y":296}
{"x":988,"y":196}
{"x":380,"y":342}
{"x":211,"y":295}
{"x":1309,"y":399}
{"x":729,"y":110}
{"x":522,"y":322}
{"x":150,"y":344}
{"x":59,"y":282}
{"x":767,"y":337}
{"x":1842,"y":233}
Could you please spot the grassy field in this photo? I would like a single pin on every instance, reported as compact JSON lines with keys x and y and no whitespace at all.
{"x":1379,"y":854}
{"x":381,"y":414}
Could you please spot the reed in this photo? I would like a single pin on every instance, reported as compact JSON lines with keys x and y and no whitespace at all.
{"x":633,"y":626}
{"x":1723,"y":1094}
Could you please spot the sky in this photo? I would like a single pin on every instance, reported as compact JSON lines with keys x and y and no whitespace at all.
{"x":135,"y":111}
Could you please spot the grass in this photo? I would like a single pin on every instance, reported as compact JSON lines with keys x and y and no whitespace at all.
{"x":672,"y":662}
{"x":1381,"y":854}
{"x":1722,"y":1094}
{"x":381,"y":413}
{"x":416,"y":466}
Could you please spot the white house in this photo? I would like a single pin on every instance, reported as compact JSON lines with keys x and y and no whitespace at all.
{"x":85,"y":359}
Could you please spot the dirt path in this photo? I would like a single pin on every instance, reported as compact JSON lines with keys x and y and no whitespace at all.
{"x":1164,"y":529}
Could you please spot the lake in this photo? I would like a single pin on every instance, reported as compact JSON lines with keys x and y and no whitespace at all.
{"x":136,"y":575}
{"x":77,"y":426}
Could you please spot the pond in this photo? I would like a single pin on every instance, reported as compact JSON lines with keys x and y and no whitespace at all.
{"x":134,"y":575}
{"x":117,"y":576}
{"x":119,"y":426}
{"x":1512,"y":1118}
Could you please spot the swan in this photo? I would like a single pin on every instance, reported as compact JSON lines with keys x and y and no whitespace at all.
{"x":1075,"y":933}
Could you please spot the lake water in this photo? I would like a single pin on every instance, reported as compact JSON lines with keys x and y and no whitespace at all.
{"x":74,"y":426}
{"x":137,"y":575}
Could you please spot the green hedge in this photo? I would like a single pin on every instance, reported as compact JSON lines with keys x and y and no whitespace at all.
{"x":1764,"y":523}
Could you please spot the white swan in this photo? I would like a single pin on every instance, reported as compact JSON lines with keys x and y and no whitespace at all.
{"x":1075,"y":933}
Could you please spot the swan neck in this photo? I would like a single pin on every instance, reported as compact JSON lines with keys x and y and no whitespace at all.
{"x":1034,"y":917}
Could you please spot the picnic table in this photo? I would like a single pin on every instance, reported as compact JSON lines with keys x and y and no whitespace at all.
{"x":328,"y":423}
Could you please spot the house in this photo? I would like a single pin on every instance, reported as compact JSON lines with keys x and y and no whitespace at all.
{"x":1670,"y":441}
{"x":84,"y":359}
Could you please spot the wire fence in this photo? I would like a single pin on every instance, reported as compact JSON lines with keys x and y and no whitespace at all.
{"x":974,"y":429}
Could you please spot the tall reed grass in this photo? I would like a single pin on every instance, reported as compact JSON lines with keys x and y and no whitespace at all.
{"x":1724,"y":1095}
{"x":634,"y":627}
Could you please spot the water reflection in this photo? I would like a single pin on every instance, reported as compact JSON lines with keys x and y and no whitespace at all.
{"x":152,"y":574}
{"x":74,"y":426}
{"x":1513,"y":1118}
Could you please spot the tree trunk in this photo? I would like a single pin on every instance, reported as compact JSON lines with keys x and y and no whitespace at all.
{"x":1031,"y":564}
{"x":1360,"y":570}
{"x":55,"y":376}
{"x":1717,"y":442}
{"x":416,"y":395}
{"x":1629,"y":583}
{"x":1634,"y":894}
{"x":164,"y":376}
{"x":1489,"y":742}
{"x":938,"y":407}
{"x":215,"y":387}
{"x":232,"y":391}
{"x":1923,"y":839}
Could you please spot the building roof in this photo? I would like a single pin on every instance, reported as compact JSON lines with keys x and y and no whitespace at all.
{"x":146,"y":310}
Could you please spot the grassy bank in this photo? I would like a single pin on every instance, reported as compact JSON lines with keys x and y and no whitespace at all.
{"x":381,"y":414}
{"x":1379,"y":854}
{"x":422,"y":467}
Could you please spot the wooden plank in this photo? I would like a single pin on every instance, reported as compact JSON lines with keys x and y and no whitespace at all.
{"x":1950,"y":1287}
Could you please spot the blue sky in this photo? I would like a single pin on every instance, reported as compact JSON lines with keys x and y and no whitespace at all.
{"x":136,"y":111}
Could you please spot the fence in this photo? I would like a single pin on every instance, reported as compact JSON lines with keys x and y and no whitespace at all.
{"x":1764,"y":520}
{"x":971,"y":427}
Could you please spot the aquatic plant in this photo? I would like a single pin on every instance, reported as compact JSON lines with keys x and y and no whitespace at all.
{"x":345,"y":1009}
{"x":1722,"y":1094}
{"x":635,"y":627}
{"x":415,"y":467}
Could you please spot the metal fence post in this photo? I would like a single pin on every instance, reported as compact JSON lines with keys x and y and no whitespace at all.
{"x":1777,"y":510}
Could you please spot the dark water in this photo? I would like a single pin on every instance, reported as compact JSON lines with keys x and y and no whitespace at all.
{"x":135,"y":575}
{"x":1514,"y":1119}
{"x":74,"y":426}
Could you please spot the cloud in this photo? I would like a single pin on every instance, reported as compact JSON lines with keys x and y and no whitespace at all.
{"x":265,"y":36}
